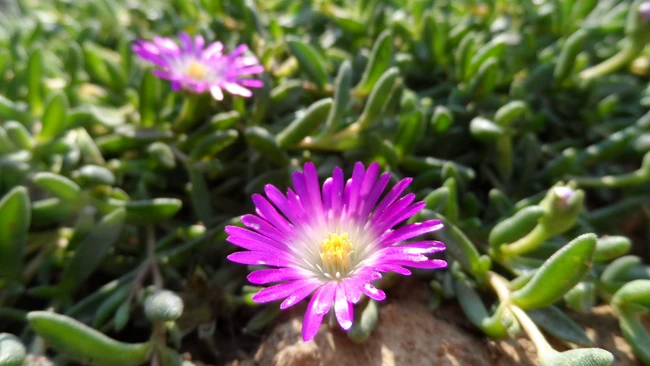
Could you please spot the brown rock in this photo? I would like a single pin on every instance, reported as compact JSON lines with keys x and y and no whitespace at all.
{"x":407,"y":334}
{"x":602,"y":327}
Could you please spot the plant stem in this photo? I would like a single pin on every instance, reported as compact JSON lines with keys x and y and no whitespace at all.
{"x":500,"y":286}
{"x":613,"y":181}
{"x":529,"y":242}
{"x":622,"y":58}
{"x":151,"y":257}
{"x":189,"y":113}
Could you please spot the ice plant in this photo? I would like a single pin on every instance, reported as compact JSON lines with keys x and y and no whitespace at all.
{"x":332,"y":241}
{"x":196,"y":68}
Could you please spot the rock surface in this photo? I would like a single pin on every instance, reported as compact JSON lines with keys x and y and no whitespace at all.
{"x":408,"y":333}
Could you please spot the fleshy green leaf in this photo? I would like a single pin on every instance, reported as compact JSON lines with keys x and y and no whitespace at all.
{"x":310,"y":61}
{"x":58,"y":186}
{"x":84,"y":344}
{"x":556,"y":323}
{"x":378,"y":62}
{"x":15,"y":218}
{"x":55,"y":117}
{"x":364,"y":323}
{"x":92,"y":250}
{"x":304,"y":125}
{"x":560,"y":273}
{"x":636,"y":335}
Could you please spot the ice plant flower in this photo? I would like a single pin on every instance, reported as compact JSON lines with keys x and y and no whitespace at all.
{"x":332,"y":241}
{"x":196,"y":68}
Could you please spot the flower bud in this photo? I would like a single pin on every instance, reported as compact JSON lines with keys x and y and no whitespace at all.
{"x":12,"y":351}
{"x":163,"y":306}
{"x":562,"y":205}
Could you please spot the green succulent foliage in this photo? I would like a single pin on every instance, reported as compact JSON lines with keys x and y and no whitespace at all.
{"x":524,"y":126}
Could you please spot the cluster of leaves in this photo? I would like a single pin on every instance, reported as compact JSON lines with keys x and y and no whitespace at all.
{"x":116,"y":190}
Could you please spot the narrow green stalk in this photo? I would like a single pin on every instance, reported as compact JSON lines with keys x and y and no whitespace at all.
{"x":622,"y":58}
{"x":529,"y":242}
{"x":504,"y":157}
{"x":190,"y":112}
{"x":500,"y":286}
{"x":613,"y":181}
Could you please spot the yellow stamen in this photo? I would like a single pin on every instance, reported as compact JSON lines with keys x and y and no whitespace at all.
{"x":196,"y":70}
{"x":335,"y":253}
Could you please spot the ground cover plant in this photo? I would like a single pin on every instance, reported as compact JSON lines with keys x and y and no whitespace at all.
{"x":174,"y":174}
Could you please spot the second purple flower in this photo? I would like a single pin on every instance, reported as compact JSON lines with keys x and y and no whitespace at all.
{"x":198,"y":68}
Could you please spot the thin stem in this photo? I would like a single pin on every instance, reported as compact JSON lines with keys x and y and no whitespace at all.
{"x":500,"y":286}
{"x":151,"y":257}
{"x":504,"y":161}
{"x":613,"y":63}
{"x":189,"y":112}
{"x":529,"y":242}
{"x":613,"y":181}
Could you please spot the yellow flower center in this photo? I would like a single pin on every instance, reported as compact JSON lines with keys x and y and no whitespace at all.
{"x":196,"y":70}
{"x":335,"y":253}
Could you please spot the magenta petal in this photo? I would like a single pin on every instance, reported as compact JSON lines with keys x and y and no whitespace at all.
{"x":199,"y":42}
{"x":249,"y":70}
{"x":240,"y":232}
{"x":327,"y":195}
{"x":352,"y":292}
{"x":264,"y":276}
{"x":400,"y":216}
{"x":260,"y":258}
{"x":319,"y":305}
{"x":392,"y":195}
{"x":337,"y":191}
{"x":311,"y":323}
{"x":382,"y":221}
{"x":369,"y":181}
{"x":281,"y":291}
{"x":353,"y":188}
{"x":265,"y":228}
{"x":162,"y":74}
{"x":250,"y":244}
{"x":298,"y":295}
{"x":420,"y":247}
{"x":216,"y":92}
{"x":282,"y":203}
{"x":313,"y":189}
{"x":297,"y":206}
{"x":342,"y":308}
{"x":270,"y":214}
{"x":428,"y":264}
{"x":166,"y":44}
{"x":237,"y":90}
{"x":373,"y":292}
{"x":324,"y":298}
{"x":393,"y":268}
{"x":213,"y":50}
{"x":238,"y":51}
{"x":252,"y":83}
{"x":404,"y":257}
{"x":186,"y":42}
{"x":371,"y":200}
{"x":409,"y":231}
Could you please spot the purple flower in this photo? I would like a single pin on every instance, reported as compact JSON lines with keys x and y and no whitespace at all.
{"x":332,"y":241}
{"x":644,"y":10}
{"x":196,"y":68}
